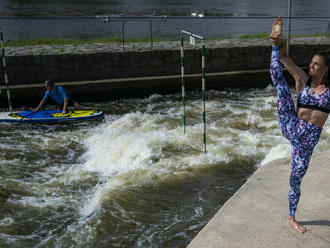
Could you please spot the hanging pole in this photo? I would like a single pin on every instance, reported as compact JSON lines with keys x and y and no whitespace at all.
{"x":203,"y":98}
{"x":289,"y":29}
{"x":183,"y":89}
{"x":191,"y":34}
{"x":5,"y":71}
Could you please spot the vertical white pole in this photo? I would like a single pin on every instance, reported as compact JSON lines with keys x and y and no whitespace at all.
{"x":203,"y":98}
{"x":5,"y":71}
{"x":182,"y":87}
{"x":289,"y":28}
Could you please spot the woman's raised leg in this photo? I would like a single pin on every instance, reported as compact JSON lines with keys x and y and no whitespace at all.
{"x":285,"y":106}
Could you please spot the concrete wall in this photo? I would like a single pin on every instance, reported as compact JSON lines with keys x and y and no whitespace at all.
{"x":25,"y":68}
{"x":33,"y":65}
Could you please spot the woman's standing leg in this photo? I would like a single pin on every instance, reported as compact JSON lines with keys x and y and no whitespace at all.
{"x":307,"y":136}
{"x":299,"y":161}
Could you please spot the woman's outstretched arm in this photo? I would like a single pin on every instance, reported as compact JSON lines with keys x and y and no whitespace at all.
{"x":296,"y":72}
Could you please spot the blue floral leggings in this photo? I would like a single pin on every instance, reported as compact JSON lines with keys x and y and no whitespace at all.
{"x":302,"y":135}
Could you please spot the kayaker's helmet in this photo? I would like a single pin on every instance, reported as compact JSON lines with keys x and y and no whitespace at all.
{"x":50,"y":83}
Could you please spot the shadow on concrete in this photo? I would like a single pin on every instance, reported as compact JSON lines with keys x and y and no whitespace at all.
{"x":316,"y":223}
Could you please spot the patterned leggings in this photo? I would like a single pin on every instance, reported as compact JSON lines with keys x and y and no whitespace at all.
{"x":302,"y":135}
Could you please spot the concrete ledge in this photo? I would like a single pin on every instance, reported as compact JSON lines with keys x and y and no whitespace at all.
{"x":256,"y":216}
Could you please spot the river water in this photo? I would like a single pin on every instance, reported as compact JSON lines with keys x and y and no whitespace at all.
{"x":134,"y":179}
{"x":30,"y":28}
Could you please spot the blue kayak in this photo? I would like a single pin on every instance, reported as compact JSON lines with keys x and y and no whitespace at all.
{"x":51,"y":116}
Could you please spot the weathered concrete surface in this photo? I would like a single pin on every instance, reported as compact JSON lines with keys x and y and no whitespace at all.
{"x":256,"y":216}
{"x":35,"y":64}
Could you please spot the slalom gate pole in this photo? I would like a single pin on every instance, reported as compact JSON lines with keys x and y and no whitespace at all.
{"x":2,"y":47}
{"x":203,"y":98}
{"x":289,"y":29}
{"x":192,"y":38}
{"x":182,"y":87}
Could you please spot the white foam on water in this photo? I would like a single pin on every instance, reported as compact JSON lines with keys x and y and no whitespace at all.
{"x":39,"y":201}
{"x":277,"y":152}
{"x":5,"y":115}
{"x":147,"y":146}
{"x":9,"y":162}
{"x":129,"y":143}
{"x":6,"y":221}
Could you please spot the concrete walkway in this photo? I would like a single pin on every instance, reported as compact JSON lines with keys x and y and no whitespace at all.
{"x":146,"y":46}
{"x":256,"y":216}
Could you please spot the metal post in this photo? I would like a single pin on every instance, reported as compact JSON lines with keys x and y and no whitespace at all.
{"x":123,"y":35}
{"x":5,"y":72}
{"x":151,"y":36}
{"x":203,"y":98}
{"x":183,"y":89}
{"x":289,"y":29}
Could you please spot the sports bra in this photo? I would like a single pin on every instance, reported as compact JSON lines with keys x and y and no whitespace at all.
{"x":308,"y":100}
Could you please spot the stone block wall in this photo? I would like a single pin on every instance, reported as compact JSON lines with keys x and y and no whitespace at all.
{"x":30,"y":65}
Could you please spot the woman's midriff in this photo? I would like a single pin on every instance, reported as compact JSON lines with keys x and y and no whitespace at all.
{"x":313,"y":116}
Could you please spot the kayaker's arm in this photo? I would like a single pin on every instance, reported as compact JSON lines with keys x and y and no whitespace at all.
{"x":39,"y":106}
{"x":65,"y":105}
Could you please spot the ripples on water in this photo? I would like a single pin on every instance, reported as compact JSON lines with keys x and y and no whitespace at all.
{"x":134,"y":180}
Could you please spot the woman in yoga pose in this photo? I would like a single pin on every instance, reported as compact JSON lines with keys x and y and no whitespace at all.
{"x":304,"y":126}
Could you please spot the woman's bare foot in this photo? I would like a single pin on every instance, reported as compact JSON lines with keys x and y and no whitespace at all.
{"x":276,"y":36}
{"x":298,"y":227}
{"x":277,"y":26}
